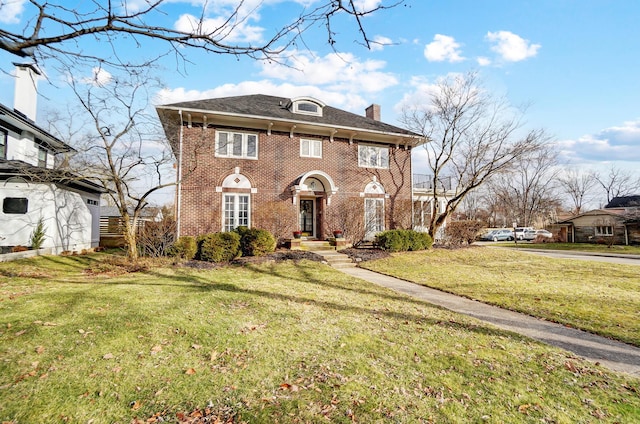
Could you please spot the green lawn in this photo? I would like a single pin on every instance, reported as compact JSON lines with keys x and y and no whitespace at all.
{"x":582,"y":247}
{"x":598,"y":297}
{"x":81,"y":341}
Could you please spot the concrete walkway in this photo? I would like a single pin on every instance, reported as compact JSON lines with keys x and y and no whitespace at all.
{"x":612,"y":354}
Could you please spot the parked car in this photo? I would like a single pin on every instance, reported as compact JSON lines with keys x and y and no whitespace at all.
{"x":488,"y":235}
{"x":533,"y":234}
{"x":501,"y":235}
{"x":519,"y":233}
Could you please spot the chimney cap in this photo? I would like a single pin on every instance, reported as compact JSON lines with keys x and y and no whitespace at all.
{"x":30,"y":65}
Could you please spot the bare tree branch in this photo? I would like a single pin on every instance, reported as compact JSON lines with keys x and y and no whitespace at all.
{"x":473,"y":137}
{"x":53,"y":31}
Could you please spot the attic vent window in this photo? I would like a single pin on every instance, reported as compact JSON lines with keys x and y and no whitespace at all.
{"x":307,"y":107}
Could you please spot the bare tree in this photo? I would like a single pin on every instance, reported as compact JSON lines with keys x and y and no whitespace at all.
{"x":120,"y":146}
{"x":578,"y":186}
{"x":473,"y":136}
{"x":527,"y":191}
{"x":617,"y":183}
{"x":55,"y":29}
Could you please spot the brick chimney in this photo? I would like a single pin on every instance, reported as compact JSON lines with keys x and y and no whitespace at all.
{"x":373,"y":112}
{"x":26,"y":89}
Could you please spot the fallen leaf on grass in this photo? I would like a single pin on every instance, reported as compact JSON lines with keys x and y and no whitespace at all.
{"x":135,"y":405}
{"x":190,"y":371}
{"x":156,"y":349}
{"x":21,"y":332}
{"x":40,"y":350}
{"x":108,"y":356}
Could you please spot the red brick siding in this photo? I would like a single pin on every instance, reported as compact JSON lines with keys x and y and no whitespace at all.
{"x":278,"y":166}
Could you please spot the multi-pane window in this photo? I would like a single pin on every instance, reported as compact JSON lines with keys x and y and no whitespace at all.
{"x":236,"y":145}
{"x":373,"y":156}
{"x":311,"y":148}
{"x":373,"y":216}
{"x":3,"y":143}
{"x":236,"y":211}
{"x":605,"y":230}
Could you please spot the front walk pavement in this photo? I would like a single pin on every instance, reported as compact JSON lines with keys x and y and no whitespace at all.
{"x":615,"y":355}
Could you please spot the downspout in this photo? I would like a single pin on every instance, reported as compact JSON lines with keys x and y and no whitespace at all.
{"x":179,"y":177}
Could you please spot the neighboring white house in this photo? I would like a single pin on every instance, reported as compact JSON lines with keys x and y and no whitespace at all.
{"x":425,"y":204}
{"x":31,"y":189}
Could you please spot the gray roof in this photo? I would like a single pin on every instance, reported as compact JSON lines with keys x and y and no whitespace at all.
{"x":17,"y":168}
{"x":18,"y":122}
{"x":624,"y":202}
{"x":273,"y":107}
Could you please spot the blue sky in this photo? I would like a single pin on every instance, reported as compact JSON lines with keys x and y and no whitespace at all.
{"x":575,"y":62}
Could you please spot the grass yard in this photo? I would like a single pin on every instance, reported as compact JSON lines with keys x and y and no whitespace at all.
{"x":83,"y":341}
{"x":598,"y":297}
{"x":581,"y":247}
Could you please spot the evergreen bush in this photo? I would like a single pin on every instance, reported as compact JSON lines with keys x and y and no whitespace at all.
{"x":185,"y":247}
{"x":219,"y":247}
{"x":403,"y":240}
{"x":255,"y":242}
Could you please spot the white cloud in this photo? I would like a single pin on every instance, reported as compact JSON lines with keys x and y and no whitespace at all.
{"x":220,"y":28}
{"x":11,"y":11}
{"x":335,"y":71}
{"x":336,"y":98}
{"x":380,"y":42}
{"x":483,"y":61}
{"x":443,"y":48}
{"x":618,"y":143}
{"x":366,"y":5}
{"x":512,"y":47}
{"x":99,"y":77}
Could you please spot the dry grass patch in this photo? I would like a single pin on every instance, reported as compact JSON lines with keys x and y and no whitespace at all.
{"x":284,"y":342}
{"x":594,"y":296}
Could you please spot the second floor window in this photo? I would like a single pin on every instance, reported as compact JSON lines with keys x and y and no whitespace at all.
{"x":3,"y":144}
{"x":236,"y":145}
{"x":311,"y":148}
{"x":373,"y":156}
{"x":42,"y":157}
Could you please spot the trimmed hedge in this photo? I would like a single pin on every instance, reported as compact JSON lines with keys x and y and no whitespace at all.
{"x":185,"y":247}
{"x":255,"y":242}
{"x":219,"y":247}
{"x":403,"y":240}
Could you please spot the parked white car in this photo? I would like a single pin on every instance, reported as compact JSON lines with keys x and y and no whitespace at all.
{"x":533,"y":234}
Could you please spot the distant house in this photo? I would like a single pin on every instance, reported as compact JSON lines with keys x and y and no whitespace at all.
{"x":32,"y":189}
{"x":606,"y":226}
{"x":247,"y":160}
{"x":424,"y":204}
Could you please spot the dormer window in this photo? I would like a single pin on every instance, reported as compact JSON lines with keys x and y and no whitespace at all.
{"x":307,"y":106}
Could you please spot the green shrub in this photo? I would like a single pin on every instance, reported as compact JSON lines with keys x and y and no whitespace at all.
{"x":219,"y":247}
{"x":403,"y":240}
{"x":185,"y":247}
{"x":255,"y":242}
{"x":419,"y":240}
{"x":38,"y":235}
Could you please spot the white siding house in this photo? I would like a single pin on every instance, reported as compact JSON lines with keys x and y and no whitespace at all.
{"x":31,"y":189}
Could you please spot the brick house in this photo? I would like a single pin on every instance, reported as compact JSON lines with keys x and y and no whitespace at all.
{"x":288,"y":164}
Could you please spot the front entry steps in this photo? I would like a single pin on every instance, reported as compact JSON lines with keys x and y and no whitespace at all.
{"x":335,"y":258}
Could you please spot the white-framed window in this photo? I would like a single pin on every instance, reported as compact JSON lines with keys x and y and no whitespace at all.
{"x":310,"y":148}
{"x":373,"y":156}
{"x":3,"y":143}
{"x":42,"y":157}
{"x":604,"y":230}
{"x":236,"y":145}
{"x":236,"y":211}
{"x":307,"y":107}
{"x":373,"y":216}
